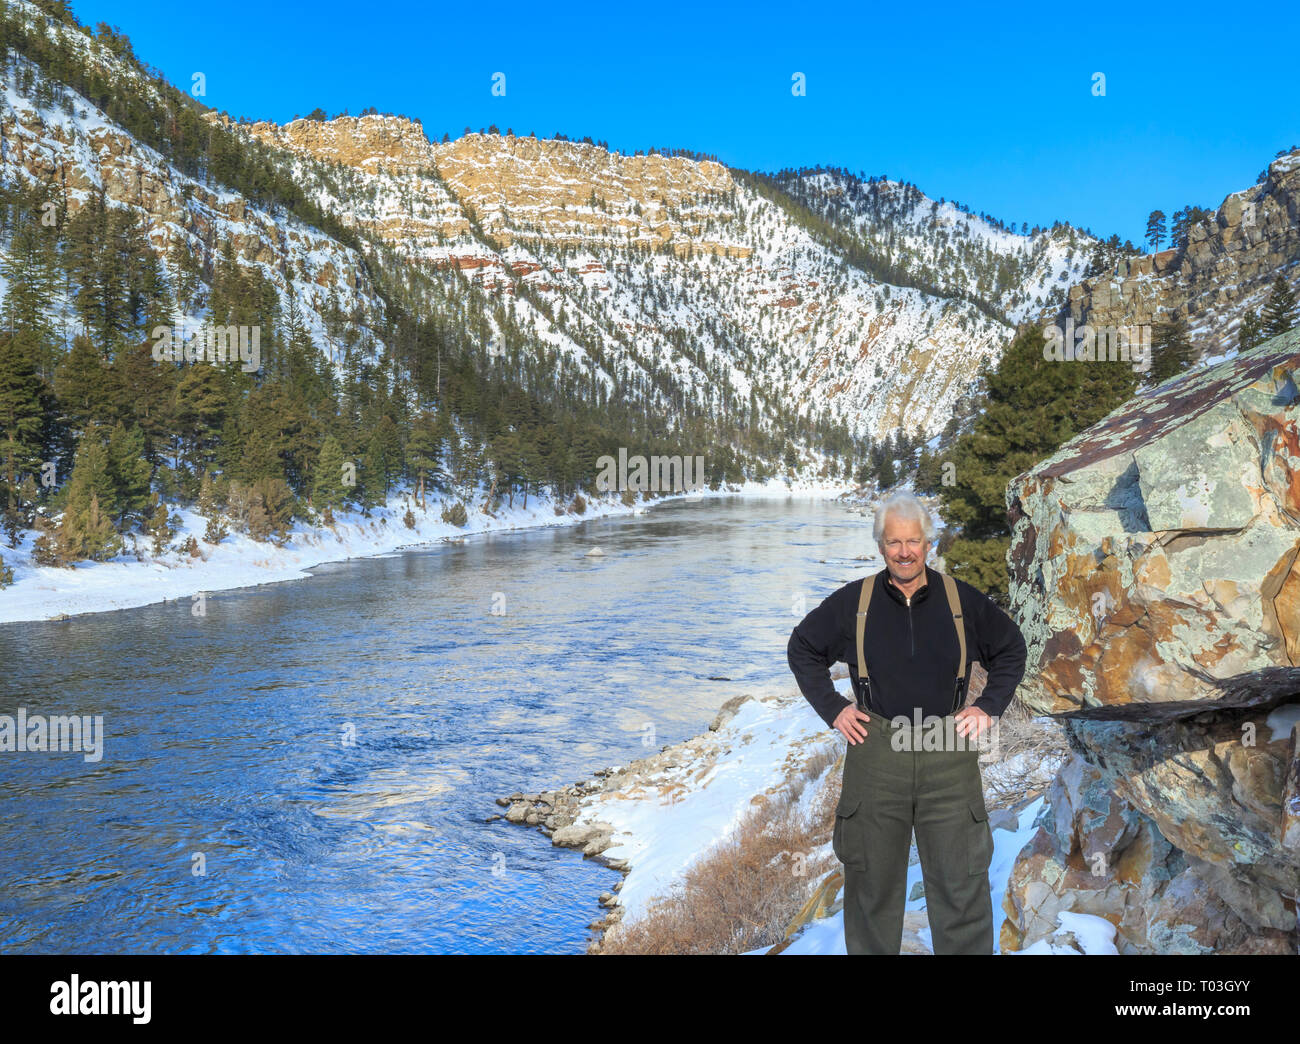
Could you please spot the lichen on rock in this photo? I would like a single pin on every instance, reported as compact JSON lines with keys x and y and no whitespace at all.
{"x":1154,"y":574}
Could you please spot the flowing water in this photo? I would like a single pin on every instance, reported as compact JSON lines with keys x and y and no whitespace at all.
{"x":308,"y":767}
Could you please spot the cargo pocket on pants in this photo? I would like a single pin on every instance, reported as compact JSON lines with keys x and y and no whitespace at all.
{"x":980,"y":851}
{"x":846,"y":839}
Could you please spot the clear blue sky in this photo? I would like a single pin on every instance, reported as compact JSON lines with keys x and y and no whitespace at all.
{"x":993,"y":108}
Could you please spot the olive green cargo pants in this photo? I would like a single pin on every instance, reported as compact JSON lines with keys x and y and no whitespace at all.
{"x":887,"y":793}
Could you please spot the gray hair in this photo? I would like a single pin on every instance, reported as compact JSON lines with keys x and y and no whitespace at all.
{"x":903,"y":505}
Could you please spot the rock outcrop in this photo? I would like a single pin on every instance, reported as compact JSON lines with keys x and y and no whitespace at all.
{"x":1097,"y":852}
{"x":1155,"y":575}
{"x":1227,"y":267}
{"x":1153,"y":556}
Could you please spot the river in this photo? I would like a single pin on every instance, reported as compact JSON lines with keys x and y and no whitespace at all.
{"x":307,"y":768}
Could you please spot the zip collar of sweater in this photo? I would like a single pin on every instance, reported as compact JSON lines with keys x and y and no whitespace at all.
{"x":921,"y":594}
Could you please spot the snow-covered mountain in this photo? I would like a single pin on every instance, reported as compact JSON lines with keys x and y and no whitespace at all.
{"x":675,"y":277}
{"x":936,"y":243}
{"x":51,"y":135}
{"x":674,"y":281}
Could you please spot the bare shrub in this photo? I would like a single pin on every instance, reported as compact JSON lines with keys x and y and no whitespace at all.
{"x":743,"y":892}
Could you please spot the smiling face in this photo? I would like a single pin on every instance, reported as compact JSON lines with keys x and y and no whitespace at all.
{"x":905,"y":548}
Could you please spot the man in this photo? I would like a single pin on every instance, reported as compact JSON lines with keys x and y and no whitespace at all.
{"x":892,"y":785}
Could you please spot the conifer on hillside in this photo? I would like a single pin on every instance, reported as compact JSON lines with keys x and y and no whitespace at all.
{"x":1279,"y":312}
{"x":1032,"y":405}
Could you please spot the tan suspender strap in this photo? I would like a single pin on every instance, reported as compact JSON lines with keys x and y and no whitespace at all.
{"x":954,"y":603}
{"x":864,"y":600}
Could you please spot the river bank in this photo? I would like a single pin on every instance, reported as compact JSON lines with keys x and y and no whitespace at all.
{"x":138,"y":577}
{"x":654,"y":817}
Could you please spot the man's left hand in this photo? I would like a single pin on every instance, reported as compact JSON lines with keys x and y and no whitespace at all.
{"x":971,"y":721}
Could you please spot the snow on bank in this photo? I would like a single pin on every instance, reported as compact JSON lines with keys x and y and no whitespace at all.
{"x":46,"y":592}
{"x":664,"y":824}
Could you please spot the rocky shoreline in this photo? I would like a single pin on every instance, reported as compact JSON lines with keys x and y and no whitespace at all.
{"x":557,"y":813}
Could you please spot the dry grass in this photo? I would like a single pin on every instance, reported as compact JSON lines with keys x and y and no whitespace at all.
{"x":743,"y":892}
{"x":1043,"y":743}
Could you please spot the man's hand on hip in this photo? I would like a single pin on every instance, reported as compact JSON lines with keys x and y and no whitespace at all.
{"x":971,"y":721}
{"x":847,"y":723}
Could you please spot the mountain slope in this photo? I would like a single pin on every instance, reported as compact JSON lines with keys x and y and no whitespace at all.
{"x":702,"y":288}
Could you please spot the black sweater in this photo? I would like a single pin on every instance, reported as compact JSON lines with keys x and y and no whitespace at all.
{"x":911,"y":649}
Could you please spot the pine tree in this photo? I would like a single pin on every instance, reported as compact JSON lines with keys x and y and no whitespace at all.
{"x":273,"y":510}
{"x":424,"y":451}
{"x":145,"y":297}
{"x":374,"y":473}
{"x":1156,"y":229}
{"x":1248,"y":335}
{"x":86,"y":530}
{"x":507,"y":459}
{"x":143,"y":390}
{"x":1279,"y":311}
{"x":209,"y":501}
{"x":1031,"y":406}
{"x":83,"y":386}
{"x":929,"y":473}
{"x":22,"y":422}
{"x":130,"y":473}
{"x":102,"y":298}
{"x":30,"y":266}
{"x":159,"y":525}
{"x":296,"y":362}
{"x":188,"y":265}
{"x":887,"y":476}
{"x":383,"y":461}
{"x":202,"y":405}
{"x":210,"y":507}
{"x":328,"y":490}
{"x":1171,"y":349}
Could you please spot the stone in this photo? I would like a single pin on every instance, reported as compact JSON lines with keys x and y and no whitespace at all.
{"x":1153,"y":556}
{"x":1154,"y":574}
{"x":577,"y":835}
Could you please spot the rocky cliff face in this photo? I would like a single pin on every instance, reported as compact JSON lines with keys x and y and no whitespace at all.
{"x":762,"y":304}
{"x":514,"y":189}
{"x":1228,"y":266}
{"x":1154,"y":575}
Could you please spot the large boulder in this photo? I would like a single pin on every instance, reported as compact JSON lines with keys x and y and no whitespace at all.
{"x":1155,"y":573}
{"x":1154,"y":556}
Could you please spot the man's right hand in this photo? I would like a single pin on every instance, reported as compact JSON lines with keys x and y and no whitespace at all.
{"x":847,"y":722}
